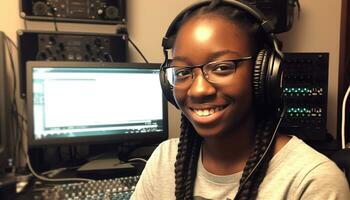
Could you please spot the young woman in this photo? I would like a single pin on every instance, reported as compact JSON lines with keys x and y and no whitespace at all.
{"x":228,"y":148}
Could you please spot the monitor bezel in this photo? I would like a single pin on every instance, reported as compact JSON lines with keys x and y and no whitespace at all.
{"x":144,"y":138}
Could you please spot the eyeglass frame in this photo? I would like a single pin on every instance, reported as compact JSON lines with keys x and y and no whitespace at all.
{"x":237,"y":62}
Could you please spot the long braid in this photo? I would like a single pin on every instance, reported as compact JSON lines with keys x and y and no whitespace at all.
{"x":253,"y":158}
{"x":261,"y":172}
{"x":181,"y":160}
{"x":192,"y":167}
{"x":250,"y":189}
{"x":186,"y":160}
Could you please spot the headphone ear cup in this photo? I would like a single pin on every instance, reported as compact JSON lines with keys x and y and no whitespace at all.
{"x":259,"y":78}
{"x":166,"y":87}
{"x":274,"y":80}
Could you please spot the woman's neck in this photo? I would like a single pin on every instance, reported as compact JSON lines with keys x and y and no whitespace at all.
{"x":228,"y":153}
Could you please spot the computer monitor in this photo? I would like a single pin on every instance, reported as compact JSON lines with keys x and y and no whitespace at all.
{"x":94,"y":103}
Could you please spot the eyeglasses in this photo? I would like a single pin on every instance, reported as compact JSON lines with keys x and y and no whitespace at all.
{"x":214,"y":72}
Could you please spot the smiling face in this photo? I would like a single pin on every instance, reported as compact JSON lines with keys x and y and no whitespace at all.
{"x":214,"y":109}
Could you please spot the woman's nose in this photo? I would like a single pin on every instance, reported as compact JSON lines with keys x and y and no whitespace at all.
{"x":200,"y":87}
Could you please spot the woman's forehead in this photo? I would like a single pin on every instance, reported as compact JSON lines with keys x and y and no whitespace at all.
{"x":210,"y":34}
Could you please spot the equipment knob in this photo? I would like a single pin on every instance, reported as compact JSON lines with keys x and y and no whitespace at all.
{"x":112,"y":12}
{"x":100,"y":11}
{"x":40,"y":9}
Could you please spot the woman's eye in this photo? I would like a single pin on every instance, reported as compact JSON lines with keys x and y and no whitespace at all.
{"x":223,"y":68}
{"x":182,"y":73}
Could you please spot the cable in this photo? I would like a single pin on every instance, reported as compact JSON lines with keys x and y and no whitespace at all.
{"x":15,"y":122}
{"x":8,"y":40}
{"x":54,"y":172}
{"x":54,"y":10}
{"x":19,"y":126}
{"x":124,"y":30}
{"x":299,"y":9}
{"x":50,"y":179}
{"x":343,"y":118}
{"x":25,"y":24}
{"x":263,"y":156}
{"x":12,"y":42}
{"x":137,"y":159}
{"x":138,"y":50}
{"x":55,"y":24}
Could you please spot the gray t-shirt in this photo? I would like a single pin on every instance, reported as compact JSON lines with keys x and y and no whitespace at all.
{"x":296,"y":172}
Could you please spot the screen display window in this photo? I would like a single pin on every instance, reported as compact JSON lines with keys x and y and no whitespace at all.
{"x":81,"y":102}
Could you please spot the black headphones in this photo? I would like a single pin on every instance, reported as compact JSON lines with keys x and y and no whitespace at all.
{"x":267,"y":73}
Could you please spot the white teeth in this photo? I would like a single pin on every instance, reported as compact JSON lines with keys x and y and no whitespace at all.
{"x":200,"y":112}
{"x":207,"y":112}
{"x":211,"y":111}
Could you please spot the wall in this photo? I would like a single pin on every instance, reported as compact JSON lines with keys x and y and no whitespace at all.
{"x":148,"y":21}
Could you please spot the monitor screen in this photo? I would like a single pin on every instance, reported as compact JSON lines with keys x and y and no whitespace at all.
{"x":87,"y":102}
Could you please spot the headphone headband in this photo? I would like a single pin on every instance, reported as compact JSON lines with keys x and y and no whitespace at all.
{"x":265,"y":24}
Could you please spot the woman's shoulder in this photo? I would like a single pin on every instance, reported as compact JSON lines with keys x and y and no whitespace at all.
{"x":170,"y":142}
{"x":166,"y":151}
{"x":300,"y":159}
{"x":169,"y":145}
{"x":306,"y":152}
{"x":302,"y":170}
{"x":296,"y":156}
{"x":296,"y":150}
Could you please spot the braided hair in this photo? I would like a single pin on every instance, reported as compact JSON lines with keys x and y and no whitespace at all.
{"x":190,"y":141}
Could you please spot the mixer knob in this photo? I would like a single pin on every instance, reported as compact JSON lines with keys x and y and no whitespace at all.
{"x":100,"y":11}
{"x":112,"y":12}
{"x":40,"y":9}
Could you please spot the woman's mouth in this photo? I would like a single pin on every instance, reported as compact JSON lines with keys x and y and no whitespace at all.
{"x":205,"y":112}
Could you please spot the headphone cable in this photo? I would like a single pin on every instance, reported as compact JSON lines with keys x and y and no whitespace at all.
{"x":262,"y":157}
